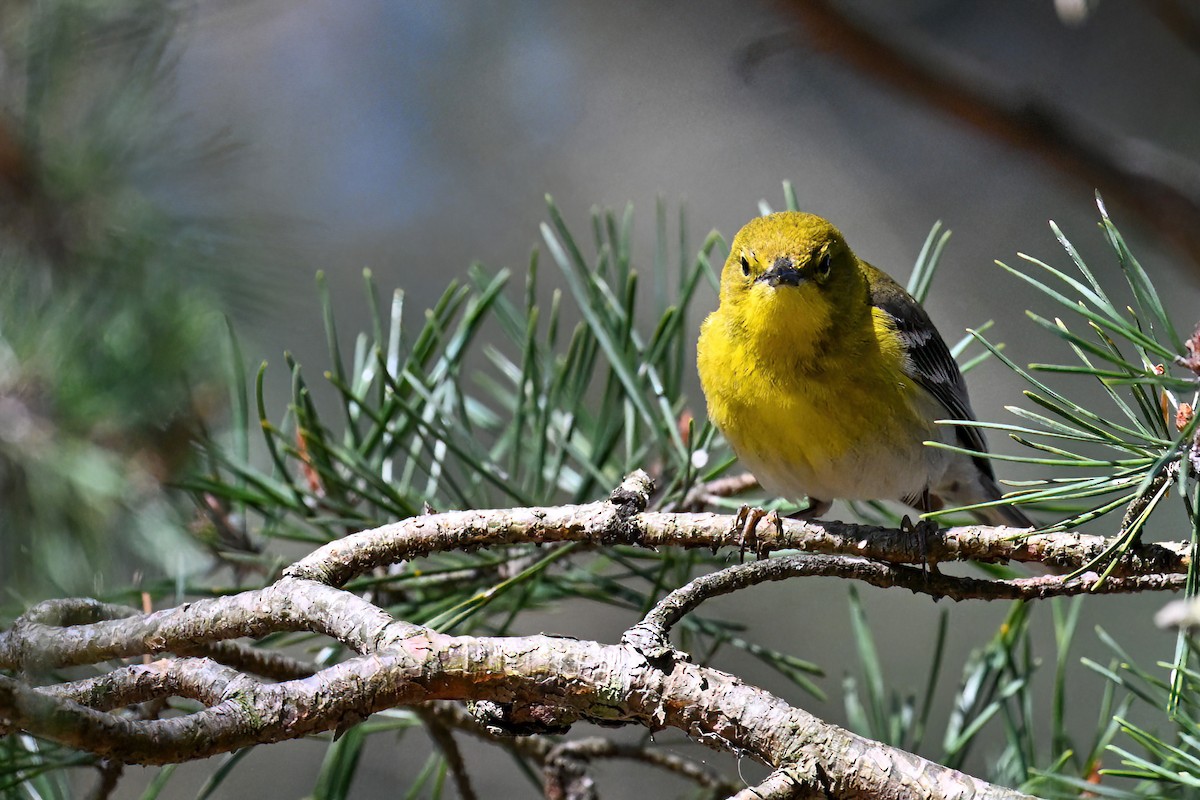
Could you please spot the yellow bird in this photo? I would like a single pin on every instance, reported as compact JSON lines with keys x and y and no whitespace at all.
{"x":826,"y":377}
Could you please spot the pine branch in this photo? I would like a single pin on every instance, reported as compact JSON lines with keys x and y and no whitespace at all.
{"x":529,"y":683}
{"x":649,"y":636}
{"x":620,"y":523}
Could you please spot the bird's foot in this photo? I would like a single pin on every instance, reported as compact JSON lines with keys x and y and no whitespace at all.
{"x":922,"y":528}
{"x":745,"y":524}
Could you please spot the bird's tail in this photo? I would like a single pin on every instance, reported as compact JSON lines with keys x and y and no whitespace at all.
{"x":1003,"y":515}
{"x":982,"y":488}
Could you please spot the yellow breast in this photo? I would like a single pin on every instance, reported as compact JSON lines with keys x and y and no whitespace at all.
{"x":845,"y":422}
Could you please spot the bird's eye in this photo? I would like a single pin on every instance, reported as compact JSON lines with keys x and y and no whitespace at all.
{"x":823,"y":266}
{"x":745,"y":266}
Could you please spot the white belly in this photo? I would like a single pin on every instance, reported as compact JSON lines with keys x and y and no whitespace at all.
{"x":874,"y":468}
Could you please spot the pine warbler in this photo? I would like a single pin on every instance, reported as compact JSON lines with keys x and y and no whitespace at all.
{"x":826,"y":377}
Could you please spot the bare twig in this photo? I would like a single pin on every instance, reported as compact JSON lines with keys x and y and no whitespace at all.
{"x":255,"y":660}
{"x":445,"y":742}
{"x":650,"y":635}
{"x":705,"y":494}
{"x":593,"y":748}
{"x":541,"y":749}
{"x":110,"y":773}
{"x":1161,"y":188}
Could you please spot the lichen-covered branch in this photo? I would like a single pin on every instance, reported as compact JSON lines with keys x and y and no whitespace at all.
{"x":604,"y":683}
{"x":532,"y":683}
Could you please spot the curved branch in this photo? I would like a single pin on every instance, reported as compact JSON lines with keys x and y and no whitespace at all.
{"x":650,"y":635}
{"x":199,"y":679}
{"x":603,"y":683}
{"x":288,"y":605}
{"x":605,"y":522}
{"x":40,"y":641}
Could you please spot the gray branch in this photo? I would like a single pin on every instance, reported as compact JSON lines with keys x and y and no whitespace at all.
{"x":532,"y":682}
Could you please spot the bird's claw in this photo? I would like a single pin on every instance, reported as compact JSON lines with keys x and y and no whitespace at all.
{"x":746,"y":526}
{"x":922,"y":528}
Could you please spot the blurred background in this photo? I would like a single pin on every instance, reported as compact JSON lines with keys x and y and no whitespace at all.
{"x":166,"y":166}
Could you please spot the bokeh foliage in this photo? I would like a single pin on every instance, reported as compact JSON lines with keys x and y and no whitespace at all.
{"x":108,"y":299}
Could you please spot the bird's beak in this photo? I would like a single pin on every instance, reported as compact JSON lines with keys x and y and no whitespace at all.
{"x":782,"y":273}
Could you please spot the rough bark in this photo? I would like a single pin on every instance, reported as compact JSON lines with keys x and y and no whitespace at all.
{"x":520,"y":684}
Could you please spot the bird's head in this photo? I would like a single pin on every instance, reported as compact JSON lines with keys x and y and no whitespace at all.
{"x":791,"y":271}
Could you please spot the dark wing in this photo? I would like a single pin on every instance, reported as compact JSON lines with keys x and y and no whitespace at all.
{"x":929,"y":361}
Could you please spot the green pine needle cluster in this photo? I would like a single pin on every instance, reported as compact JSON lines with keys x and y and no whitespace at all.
{"x":107,"y":299}
{"x":486,"y":400}
{"x":1127,"y":460}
